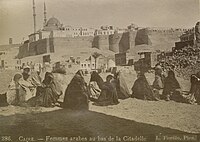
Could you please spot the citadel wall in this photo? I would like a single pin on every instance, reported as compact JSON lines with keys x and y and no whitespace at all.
{"x":142,"y":37}
{"x":101,"y":42}
{"x":34,"y":48}
{"x":114,"y":42}
{"x":164,"y":40}
{"x":118,"y":42}
{"x":69,"y":42}
{"x":23,"y":50}
{"x":38,"y":47}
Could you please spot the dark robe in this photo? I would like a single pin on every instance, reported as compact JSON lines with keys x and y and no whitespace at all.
{"x":76,"y":94}
{"x":195,"y":87}
{"x":142,"y":90}
{"x":48,"y":94}
{"x":108,"y":95}
{"x":172,"y":89}
{"x":95,"y":86}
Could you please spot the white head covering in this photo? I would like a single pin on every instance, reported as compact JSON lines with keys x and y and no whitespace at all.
{"x":26,"y":67}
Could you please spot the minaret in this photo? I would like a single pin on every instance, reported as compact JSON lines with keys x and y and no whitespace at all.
{"x":34,"y":16}
{"x":45,"y":14}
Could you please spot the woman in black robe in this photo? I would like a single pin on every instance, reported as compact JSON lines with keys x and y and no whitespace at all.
{"x":142,"y":90}
{"x":48,"y":94}
{"x":76,"y":94}
{"x":172,"y":89}
{"x":108,"y":95}
{"x":195,"y":88}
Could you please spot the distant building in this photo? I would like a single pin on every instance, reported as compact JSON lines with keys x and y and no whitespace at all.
{"x":123,"y":59}
{"x":53,"y":24}
{"x":102,"y":63}
{"x":10,"y":41}
{"x":87,"y":64}
{"x":33,"y":37}
{"x":87,"y":32}
{"x":186,"y":39}
{"x":120,"y":31}
{"x":8,"y":55}
{"x":132,"y":27}
{"x":105,"y":30}
{"x":120,"y":59}
{"x":53,"y":28}
{"x":44,"y":34}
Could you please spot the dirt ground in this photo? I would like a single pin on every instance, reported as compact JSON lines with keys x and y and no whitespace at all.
{"x":130,"y":117}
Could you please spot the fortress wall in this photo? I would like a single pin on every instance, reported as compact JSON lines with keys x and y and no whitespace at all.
{"x":68,"y":42}
{"x":132,"y":37}
{"x":101,"y":42}
{"x":160,"y":40}
{"x":51,"y":45}
{"x":142,"y":37}
{"x":38,"y":47}
{"x":95,"y":43}
{"x":164,"y":40}
{"x":125,"y":42}
{"x":114,"y":42}
{"x":23,"y":50}
{"x":120,"y":43}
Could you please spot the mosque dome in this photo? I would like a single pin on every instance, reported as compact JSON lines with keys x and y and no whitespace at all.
{"x":52,"y":24}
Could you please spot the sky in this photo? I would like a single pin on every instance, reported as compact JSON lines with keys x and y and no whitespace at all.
{"x":16,"y":20}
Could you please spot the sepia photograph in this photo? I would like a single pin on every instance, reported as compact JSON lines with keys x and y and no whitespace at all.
{"x":99,"y":70}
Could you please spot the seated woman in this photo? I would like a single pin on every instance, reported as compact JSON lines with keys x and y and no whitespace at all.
{"x":48,"y":94}
{"x":13,"y":96}
{"x":142,"y":90}
{"x":159,"y":79}
{"x":95,"y":86}
{"x":23,"y":87}
{"x":120,"y":85}
{"x":172,"y":89}
{"x":194,"y":94}
{"x":76,"y":94}
{"x":108,"y":95}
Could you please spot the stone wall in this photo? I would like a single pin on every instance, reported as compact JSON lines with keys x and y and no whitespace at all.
{"x":118,"y":42}
{"x":23,"y":50}
{"x":70,"y":42}
{"x":101,"y":42}
{"x":114,"y":42}
{"x":34,"y":48}
{"x":142,"y":37}
{"x":38,"y":47}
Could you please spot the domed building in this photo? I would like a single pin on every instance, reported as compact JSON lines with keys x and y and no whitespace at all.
{"x":52,"y":24}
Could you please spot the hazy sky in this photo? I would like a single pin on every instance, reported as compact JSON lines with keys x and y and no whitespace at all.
{"x":16,"y":18}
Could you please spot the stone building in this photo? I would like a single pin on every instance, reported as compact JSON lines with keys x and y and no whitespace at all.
{"x":8,"y":54}
{"x":105,"y":30}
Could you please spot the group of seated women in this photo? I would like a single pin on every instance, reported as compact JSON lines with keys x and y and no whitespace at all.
{"x":27,"y":88}
{"x":165,"y":86}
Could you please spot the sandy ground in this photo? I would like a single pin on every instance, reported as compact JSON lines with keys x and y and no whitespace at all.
{"x":130,"y":117}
